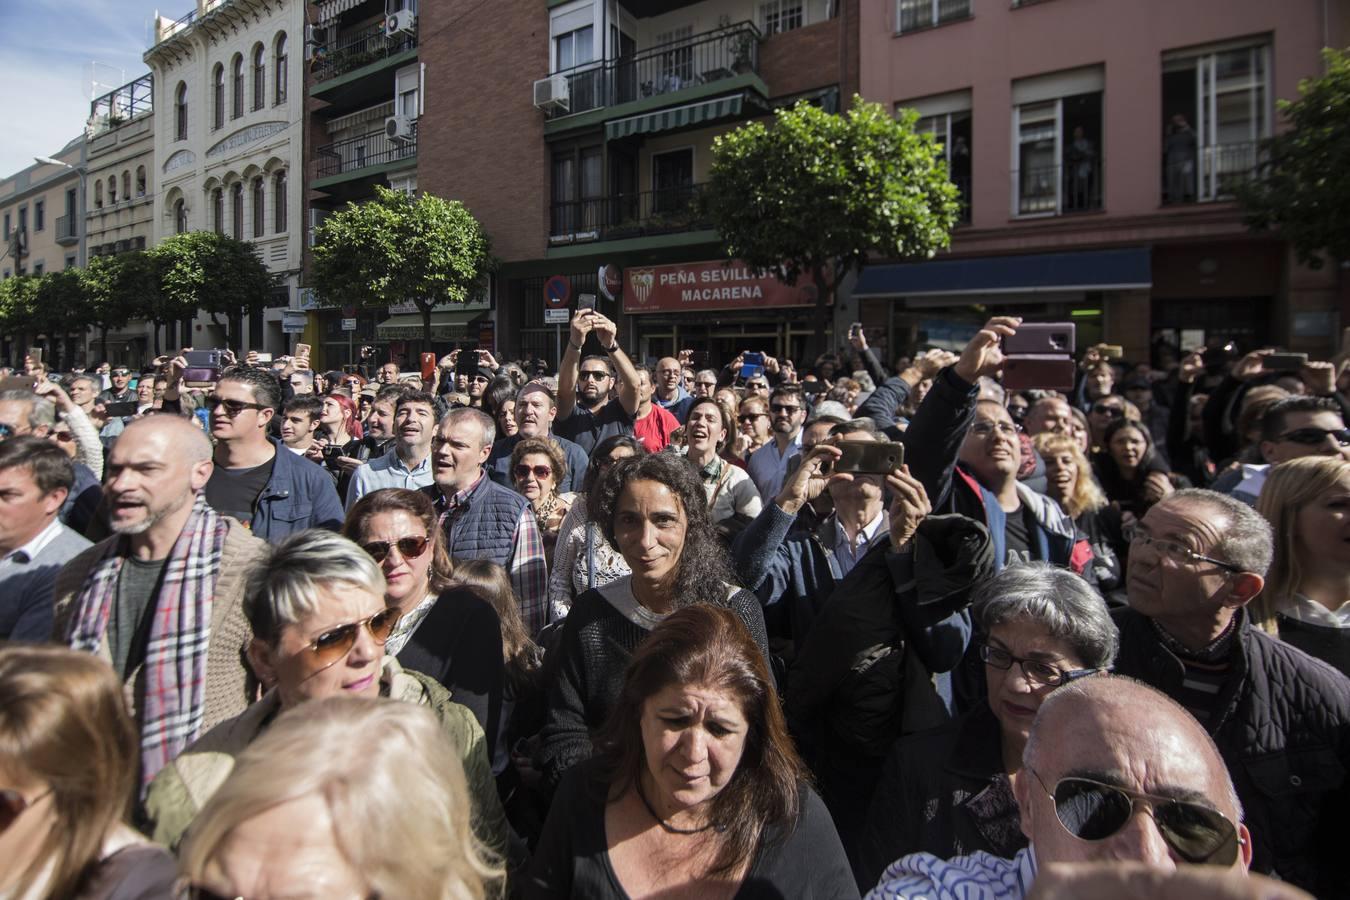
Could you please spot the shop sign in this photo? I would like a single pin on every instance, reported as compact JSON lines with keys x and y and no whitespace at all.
{"x":610,"y":279}
{"x":693,"y":287}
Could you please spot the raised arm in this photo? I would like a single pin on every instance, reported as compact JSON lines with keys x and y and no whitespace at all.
{"x":608,"y":333}
{"x":568,"y":365}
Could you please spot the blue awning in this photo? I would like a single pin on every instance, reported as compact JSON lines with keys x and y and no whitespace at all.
{"x":1088,"y":270}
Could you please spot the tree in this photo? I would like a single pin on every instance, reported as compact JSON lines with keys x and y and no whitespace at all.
{"x":1303,"y":187}
{"x":121,"y":288}
{"x":16,"y":304}
{"x":221,"y":276}
{"x":818,"y":193}
{"x":395,"y":248}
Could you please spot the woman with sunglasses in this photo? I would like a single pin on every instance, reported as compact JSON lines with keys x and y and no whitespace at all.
{"x":68,"y":752}
{"x":537,"y":467}
{"x":316,"y":606}
{"x":752,"y":426}
{"x":449,"y":634}
{"x":582,"y":558}
{"x":949,"y":791}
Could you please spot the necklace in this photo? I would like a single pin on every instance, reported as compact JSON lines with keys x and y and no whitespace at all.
{"x":666,"y":826}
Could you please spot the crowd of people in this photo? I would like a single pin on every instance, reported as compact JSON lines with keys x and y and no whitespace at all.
{"x":624,"y":631}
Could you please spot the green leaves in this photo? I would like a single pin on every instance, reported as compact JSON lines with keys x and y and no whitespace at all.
{"x":1304,"y":189}
{"x":202,"y":270}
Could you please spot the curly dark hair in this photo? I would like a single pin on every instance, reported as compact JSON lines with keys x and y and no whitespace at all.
{"x":711,"y":647}
{"x":704,"y":568}
{"x":600,"y":455}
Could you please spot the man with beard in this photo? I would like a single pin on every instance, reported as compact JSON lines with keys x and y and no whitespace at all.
{"x":769,"y":464}
{"x":408,"y":463}
{"x":162,"y":599}
{"x":586,"y":412}
{"x":535,"y":410}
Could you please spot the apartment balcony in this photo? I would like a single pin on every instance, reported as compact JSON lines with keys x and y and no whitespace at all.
{"x":719,"y":64}
{"x":67,"y":230}
{"x":1207,"y":174}
{"x":363,"y":158}
{"x":1073,"y":187}
{"x":366,"y":51}
{"x":624,"y":216}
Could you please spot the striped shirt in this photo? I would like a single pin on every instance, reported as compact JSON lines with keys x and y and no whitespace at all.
{"x":980,"y":876}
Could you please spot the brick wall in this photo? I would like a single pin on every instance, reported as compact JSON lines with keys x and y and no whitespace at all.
{"x":802,"y":59}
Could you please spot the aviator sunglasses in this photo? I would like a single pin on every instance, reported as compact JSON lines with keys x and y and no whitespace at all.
{"x":540,"y":472}
{"x":410,"y":547}
{"x":336,"y":643}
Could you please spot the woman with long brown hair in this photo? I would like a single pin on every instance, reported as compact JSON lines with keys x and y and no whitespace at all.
{"x":696,"y":790}
{"x":68,"y":773}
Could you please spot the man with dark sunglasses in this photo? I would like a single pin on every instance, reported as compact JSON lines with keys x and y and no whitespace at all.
{"x":1280,"y":718}
{"x":1113,"y":772}
{"x":120,"y":391}
{"x":768,"y":466}
{"x":591,"y":407}
{"x":1292,"y":428}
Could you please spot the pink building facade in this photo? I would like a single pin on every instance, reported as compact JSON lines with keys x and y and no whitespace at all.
{"x":1097,"y":145}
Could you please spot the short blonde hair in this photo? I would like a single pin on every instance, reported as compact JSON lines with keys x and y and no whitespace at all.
{"x":283,"y":586}
{"x":1086,"y":495}
{"x":393,"y":785}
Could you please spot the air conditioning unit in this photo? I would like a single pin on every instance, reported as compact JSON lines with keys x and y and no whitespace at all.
{"x":403,"y":20}
{"x":551,"y":93}
{"x":399,"y":128}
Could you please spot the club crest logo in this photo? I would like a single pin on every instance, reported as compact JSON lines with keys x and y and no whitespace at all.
{"x":640,"y":282}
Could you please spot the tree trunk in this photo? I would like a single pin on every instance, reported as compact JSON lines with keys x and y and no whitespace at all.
{"x":158,"y":324}
{"x":824,"y":293}
{"x":103,"y":341}
{"x":425,"y":310}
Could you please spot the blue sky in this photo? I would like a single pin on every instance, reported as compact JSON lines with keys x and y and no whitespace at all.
{"x":45,"y":53}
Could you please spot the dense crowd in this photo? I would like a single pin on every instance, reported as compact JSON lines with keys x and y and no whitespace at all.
{"x":741,"y":628}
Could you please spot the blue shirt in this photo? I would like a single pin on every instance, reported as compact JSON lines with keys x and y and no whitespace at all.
{"x":768,"y":468}
{"x":388,"y":471}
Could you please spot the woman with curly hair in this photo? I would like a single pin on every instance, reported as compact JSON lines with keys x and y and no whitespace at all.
{"x":654,"y":510}
{"x":538,"y":467}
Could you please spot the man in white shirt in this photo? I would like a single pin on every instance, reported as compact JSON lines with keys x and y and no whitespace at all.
{"x":768,"y":465}
{"x":408,"y":462}
{"x":35,"y":477}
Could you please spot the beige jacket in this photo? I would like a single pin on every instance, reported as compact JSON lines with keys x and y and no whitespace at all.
{"x":227,"y":677}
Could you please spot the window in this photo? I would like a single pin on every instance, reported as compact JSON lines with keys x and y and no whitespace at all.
{"x":70,"y":262}
{"x":677,"y":63}
{"x":140,"y":181}
{"x":258,"y":220}
{"x":259,"y":77}
{"x":238,"y":98}
{"x":1216,"y":111}
{"x":39,"y":215}
{"x":1057,"y":139}
{"x":578,"y":192}
{"x":179,"y":217}
{"x":98,"y":198}
{"x":218,"y":96}
{"x":126,"y":185}
{"x":237,"y":208}
{"x":912,"y":15}
{"x":672,"y":180}
{"x":23,"y":219}
{"x":575,"y":48}
{"x":72,"y":200}
{"x":112,"y":191}
{"x":279,"y":201}
{"x":279,"y":76}
{"x":218,"y":211}
{"x":37,"y":268}
{"x":180,"y":112}
{"x":952,"y":131}
{"x":407,"y":91}
{"x":780,"y":15}
{"x":6,"y":226}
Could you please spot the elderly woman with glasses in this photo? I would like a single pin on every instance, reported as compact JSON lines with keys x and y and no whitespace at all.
{"x":949,"y":791}
{"x":538,"y":466}
{"x":696,"y":789}
{"x":316,"y":606}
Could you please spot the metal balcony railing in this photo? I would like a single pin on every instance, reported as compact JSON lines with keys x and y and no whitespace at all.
{"x":666,"y":211}
{"x":919,"y":14}
{"x":1197,"y":175}
{"x":371,"y":149}
{"x":67,"y":230}
{"x":354,"y":51}
{"x":1072,"y":187}
{"x":663,"y":69}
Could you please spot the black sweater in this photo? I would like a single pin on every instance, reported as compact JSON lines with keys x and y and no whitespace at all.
{"x":584,"y":672}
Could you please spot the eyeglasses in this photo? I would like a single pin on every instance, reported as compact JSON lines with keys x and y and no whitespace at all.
{"x":1109,"y":410}
{"x":1092,"y":811}
{"x":336,"y":643}
{"x":592,"y":376}
{"x":757,"y":385}
{"x":1035,"y":671}
{"x":540,"y":472}
{"x":780,"y":408}
{"x":1310,"y":437}
{"x":410,"y":547}
{"x":121,"y":372}
{"x":984,"y":429}
{"x":705,"y":384}
{"x":1179,"y":552}
{"x":13,"y":804}
{"x":749,"y":417}
{"x":232,"y":407}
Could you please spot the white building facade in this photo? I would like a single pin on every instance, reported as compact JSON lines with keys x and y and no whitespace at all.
{"x":229,"y":143}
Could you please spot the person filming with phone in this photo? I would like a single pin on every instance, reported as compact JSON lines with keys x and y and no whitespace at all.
{"x":587,"y":413}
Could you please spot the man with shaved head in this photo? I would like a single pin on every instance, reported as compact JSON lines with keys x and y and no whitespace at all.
{"x":162,"y":599}
{"x":1113,"y":772}
{"x":668,"y":389}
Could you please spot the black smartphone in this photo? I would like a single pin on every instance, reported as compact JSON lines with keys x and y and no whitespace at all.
{"x":1284,"y":362}
{"x":867,"y":458}
{"x":120,"y":410}
{"x":1039,"y":371}
{"x":331,"y":452}
{"x":1041,"y":337}
{"x":466,"y":364}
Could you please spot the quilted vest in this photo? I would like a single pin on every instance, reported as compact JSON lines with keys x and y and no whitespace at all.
{"x":485,"y":526}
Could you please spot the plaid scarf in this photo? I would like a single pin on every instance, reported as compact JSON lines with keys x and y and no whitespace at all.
{"x":175,"y":654}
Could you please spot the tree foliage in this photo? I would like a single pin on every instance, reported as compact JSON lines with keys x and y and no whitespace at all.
{"x":121,"y":288}
{"x":1303,"y":190}
{"x":818,"y":193}
{"x":219,"y":275}
{"x":394,"y":248}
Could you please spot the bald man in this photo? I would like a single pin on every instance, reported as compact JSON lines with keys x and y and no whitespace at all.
{"x":669,"y":391}
{"x":1113,"y":772}
{"x":162,"y":599}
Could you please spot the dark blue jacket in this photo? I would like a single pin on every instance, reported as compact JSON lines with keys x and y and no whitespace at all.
{"x":786,"y":561}
{"x":484,"y":527}
{"x":299,"y":495}
{"x":499,"y":462}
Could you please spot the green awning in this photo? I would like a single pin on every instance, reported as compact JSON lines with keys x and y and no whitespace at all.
{"x":700,"y":113}
{"x":408,"y":326}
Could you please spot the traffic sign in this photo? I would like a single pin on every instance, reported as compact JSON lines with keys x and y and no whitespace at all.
{"x":293,"y":321}
{"x":556,"y":316}
{"x":349,"y":324}
{"x":348,"y":310}
{"x":557,"y":291}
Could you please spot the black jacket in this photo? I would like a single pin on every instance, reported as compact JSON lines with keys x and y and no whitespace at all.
{"x":1282,"y":724}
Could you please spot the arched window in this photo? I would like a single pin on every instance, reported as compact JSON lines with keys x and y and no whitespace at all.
{"x":238,"y":97}
{"x":280,"y":68}
{"x":218,"y":96}
{"x":180,"y":112}
{"x":126,"y":185}
{"x":98,"y":196}
{"x":259,"y":77}
{"x":218,"y":211}
{"x":112,"y":190}
{"x":279,"y":200}
{"x":179,"y":217}
{"x":140,"y":181}
{"x":237,"y":198}
{"x":258,"y":221}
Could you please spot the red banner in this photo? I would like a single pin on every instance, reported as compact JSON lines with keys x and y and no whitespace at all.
{"x":694,"y":287}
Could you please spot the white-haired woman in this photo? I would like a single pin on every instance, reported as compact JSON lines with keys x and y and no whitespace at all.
{"x":341,"y":798}
{"x":317,"y":609}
